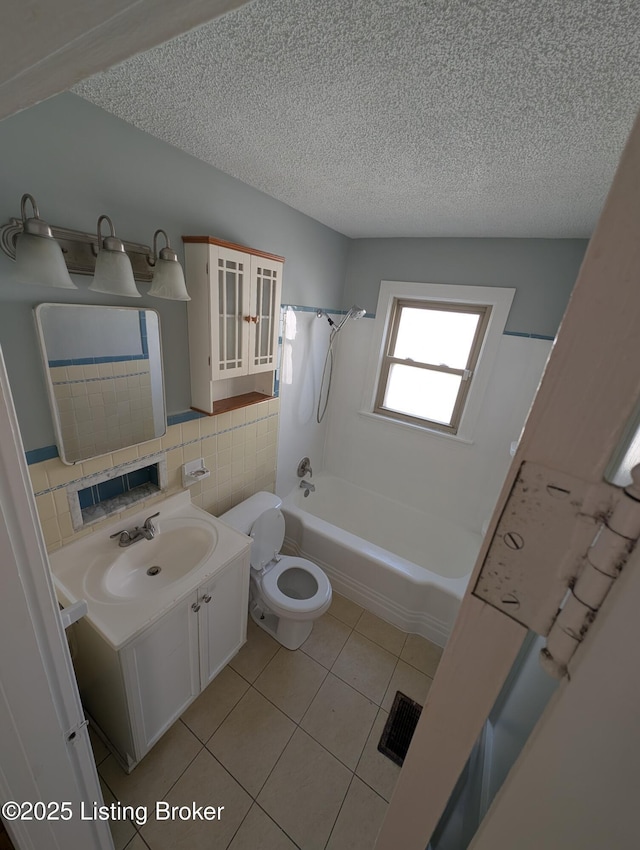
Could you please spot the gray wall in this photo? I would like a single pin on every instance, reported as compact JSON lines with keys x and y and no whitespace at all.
{"x":79,"y":162}
{"x":542,"y":271}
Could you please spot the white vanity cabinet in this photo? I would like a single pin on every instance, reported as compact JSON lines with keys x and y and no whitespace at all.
{"x":161,"y":675}
{"x":134,"y":694}
{"x":233,"y":319}
{"x":221,"y":631}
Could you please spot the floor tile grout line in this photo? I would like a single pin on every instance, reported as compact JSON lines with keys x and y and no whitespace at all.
{"x":300,"y":726}
{"x":297,"y":724}
{"x":266,"y":813}
{"x":223,"y":719}
{"x":255,"y":797}
{"x":339,"y":810}
{"x":169,"y":789}
{"x":304,"y":731}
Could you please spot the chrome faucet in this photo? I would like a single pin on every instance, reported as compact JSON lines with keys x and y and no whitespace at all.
{"x":308,"y":487}
{"x":147,"y":531}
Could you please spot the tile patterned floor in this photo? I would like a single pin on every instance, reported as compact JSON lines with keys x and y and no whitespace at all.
{"x":285,"y":741}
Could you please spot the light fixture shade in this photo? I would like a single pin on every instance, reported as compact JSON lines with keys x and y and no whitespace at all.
{"x":168,"y":277}
{"x":114,"y":275}
{"x":39,"y":260}
{"x":168,"y":281}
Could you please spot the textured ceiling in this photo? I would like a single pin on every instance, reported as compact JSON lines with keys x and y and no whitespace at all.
{"x":404,"y":117}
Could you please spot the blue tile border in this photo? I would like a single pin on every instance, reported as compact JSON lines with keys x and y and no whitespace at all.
{"x":151,"y":457}
{"x":38,"y":455}
{"x":94,"y":380}
{"x":144,"y":344}
{"x":184,"y":416}
{"x":49,"y":452}
{"x":299,"y":308}
{"x":90,"y":361}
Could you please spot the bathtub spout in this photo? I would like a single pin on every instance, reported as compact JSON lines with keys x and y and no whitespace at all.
{"x":308,"y":487}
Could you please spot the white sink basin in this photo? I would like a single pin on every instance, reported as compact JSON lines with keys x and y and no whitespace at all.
{"x":148,"y":566}
{"x":123,"y":587}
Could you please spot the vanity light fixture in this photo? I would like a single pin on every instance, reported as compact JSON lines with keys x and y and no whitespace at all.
{"x":113,"y":274}
{"x":45,"y":254}
{"x":38,"y":256}
{"x":168,"y":277}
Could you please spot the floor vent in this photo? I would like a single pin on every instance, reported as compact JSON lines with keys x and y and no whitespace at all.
{"x":399,"y":728}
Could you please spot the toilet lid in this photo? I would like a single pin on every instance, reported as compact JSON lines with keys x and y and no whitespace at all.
{"x":268,"y":536}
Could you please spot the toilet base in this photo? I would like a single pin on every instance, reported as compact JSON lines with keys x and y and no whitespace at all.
{"x":290,"y":633}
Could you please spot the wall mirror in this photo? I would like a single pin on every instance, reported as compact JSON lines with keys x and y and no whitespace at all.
{"x":103,"y":367}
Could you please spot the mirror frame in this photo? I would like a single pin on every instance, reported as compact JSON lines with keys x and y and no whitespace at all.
{"x":53,"y":405}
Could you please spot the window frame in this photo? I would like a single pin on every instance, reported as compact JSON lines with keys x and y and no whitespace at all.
{"x":483,"y":311}
{"x":498,"y":298}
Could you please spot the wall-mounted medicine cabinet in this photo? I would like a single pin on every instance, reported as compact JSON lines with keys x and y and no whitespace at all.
{"x":233,"y":320}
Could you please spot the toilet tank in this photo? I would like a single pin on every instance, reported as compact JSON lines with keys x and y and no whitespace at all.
{"x":246,"y":513}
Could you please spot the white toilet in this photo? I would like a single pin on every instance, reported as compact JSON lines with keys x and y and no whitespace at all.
{"x":286,"y":593}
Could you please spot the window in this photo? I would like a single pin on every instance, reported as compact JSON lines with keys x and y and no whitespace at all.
{"x":434,"y":349}
{"x":428,"y":362}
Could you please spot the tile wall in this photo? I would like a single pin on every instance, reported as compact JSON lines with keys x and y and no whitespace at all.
{"x":103,"y":405}
{"x":240,"y":449}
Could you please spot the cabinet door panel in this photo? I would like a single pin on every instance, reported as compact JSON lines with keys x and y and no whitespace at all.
{"x":231,"y":279}
{"x":223,"y":619}
{"x":266,"y":286}
{"x":161,"y":672}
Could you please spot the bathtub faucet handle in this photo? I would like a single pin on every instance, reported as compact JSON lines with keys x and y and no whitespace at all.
{"x":304,"y":468}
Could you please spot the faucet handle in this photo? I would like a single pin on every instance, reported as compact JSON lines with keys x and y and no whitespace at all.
{"x":122,"y":534}
{"x":147,"y":522}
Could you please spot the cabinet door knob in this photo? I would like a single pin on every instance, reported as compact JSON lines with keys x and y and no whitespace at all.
{"x":195,"y":606}
{"x":254,"y":319}
{"x":206,"y":598}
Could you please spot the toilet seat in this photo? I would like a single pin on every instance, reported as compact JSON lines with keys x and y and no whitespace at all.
{"x":287,"y":606}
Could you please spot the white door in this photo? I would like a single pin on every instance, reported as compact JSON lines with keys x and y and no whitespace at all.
{"x":588,"y":392}
{"x":576,"y":783}
{"x":45,"y":754}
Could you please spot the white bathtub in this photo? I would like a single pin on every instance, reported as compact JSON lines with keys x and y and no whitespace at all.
{"x":403,"y":565}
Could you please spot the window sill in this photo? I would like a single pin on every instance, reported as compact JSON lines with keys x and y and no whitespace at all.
{"x":431,"y":432}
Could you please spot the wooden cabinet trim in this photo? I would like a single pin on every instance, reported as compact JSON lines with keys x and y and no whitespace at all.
{"x":211,"y":240}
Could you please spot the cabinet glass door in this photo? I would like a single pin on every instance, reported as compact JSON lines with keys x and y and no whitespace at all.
{"x":265,"y":306}
{"x":232,"y":269}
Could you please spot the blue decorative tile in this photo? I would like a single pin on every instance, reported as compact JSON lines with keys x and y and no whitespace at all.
{"x":86,"y":497}
{"x":184,"y":416}
{"x":38,"y":455}
{"x":112,"y":488}
{"x":138,"y":477}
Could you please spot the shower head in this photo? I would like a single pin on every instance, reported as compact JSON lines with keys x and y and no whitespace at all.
{"x":354,"y":312}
